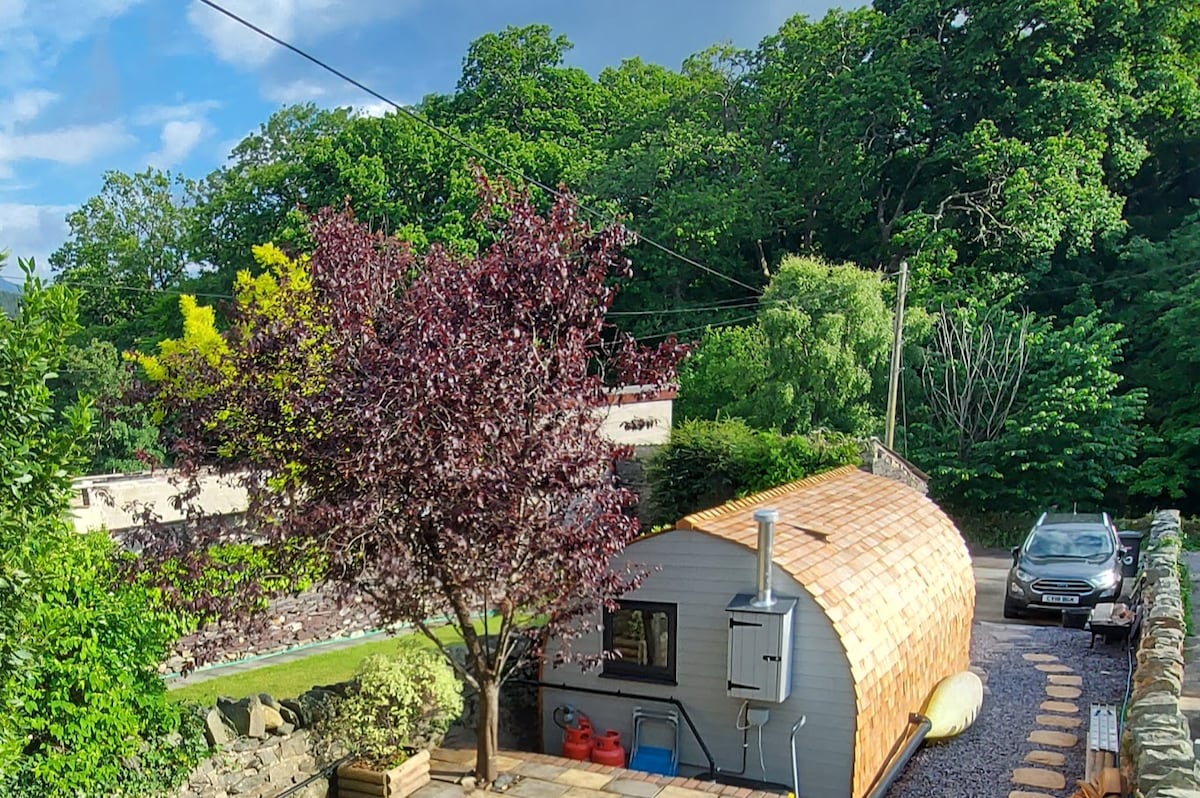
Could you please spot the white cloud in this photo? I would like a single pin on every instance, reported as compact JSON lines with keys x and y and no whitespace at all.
{"x":35,"y":34}
{"x":290,"y":20}
{"x":374,"y":108}
{"x":25,"y":106}
{"x":179,"y":138}
{"x":76,"y":144}
{"x":295,"y":91}
{"x":160,"y":114}
{"x":32,"y":231}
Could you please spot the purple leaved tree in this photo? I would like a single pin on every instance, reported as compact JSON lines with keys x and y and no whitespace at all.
{"x":424,"y":431}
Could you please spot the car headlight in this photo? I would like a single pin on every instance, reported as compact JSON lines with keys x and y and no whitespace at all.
{"x":1106,"y":579}
{"x":1023,"y":575}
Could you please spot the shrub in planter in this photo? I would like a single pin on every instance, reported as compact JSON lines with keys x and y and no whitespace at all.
{"x":399,"y":707}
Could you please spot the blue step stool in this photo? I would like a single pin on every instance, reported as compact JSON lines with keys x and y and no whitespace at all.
{"x":657,"y":759}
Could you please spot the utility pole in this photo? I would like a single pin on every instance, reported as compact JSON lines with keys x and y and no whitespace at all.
{"x":897,"y":344}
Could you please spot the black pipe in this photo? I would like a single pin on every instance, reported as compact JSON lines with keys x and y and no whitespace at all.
{"x":887,"y":775}
{"x":325,"y":772}
{"x":711,"y":774}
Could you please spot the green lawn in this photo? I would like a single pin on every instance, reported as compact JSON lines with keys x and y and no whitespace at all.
{"x":290,"y":679}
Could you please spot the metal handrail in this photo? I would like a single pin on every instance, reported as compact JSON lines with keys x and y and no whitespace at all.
{"x":795,"y":766}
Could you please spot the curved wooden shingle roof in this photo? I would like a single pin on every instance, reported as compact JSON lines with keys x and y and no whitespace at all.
{"x":891,"y":572}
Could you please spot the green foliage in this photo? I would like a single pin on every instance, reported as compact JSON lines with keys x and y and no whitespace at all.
{"x":816,"y":357}
{"x":37,"y":456}
{"x":1184,"y":572}
{"x":166,"y":760}
{"x":124,"y":244}
{"x":710,"y":462}
{"x":123,"y":437}
{"x":993,"y":530}
{"x":79,"y":652}
{"x":1061,"y":434}
{"x":398,"y":705}
{"x":1004,"y":152}
{"x":91,"y":692}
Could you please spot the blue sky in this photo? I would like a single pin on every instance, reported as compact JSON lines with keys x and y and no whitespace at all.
{"x":92,"y":85}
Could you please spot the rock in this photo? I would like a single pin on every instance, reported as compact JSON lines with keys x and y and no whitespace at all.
{"x":301,"y":715}
{"x":272,"y":720}
{"x":288,"y":715}
{"x":285,"y":729}
{"x":246,"y":716}
{"x":215,"y":729}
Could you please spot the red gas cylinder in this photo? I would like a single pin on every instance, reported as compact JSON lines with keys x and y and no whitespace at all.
{"x":577,"y":743}
{"x":608,"y":750}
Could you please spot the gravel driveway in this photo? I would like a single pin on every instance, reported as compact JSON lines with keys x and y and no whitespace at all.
{"x":979,"y":763}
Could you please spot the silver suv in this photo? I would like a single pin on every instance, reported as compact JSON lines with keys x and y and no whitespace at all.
{"x":1068,"y":560}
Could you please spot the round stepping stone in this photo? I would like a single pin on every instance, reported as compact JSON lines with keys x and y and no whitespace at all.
{"x":1039,"y":777}
{"x":1027,"y":794}
{"x":1065,"y":707}
{"x":1049,"y":758}
{"x":1070,"y":681}
{"x":1061,"y":721}
{"x":1053,"y":667}
{"x":1062,"y":691}
{"x":1054,"y":739}
{"x":1040,"y":658}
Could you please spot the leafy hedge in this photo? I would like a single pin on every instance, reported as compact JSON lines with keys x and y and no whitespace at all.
{"x":710,"y":462}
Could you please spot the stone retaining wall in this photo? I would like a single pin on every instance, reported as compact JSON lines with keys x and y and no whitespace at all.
{"x":1157,"y":756}
{"x":262,"y":746}
{"x":254,"y":768}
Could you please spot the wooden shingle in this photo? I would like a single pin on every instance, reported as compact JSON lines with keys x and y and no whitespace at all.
{"x":891,"y":572}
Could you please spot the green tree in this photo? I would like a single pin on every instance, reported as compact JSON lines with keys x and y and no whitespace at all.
{"x":707,"y":463}
{"x":1163,"y":310}
{"x":125,"y":244}
{"x":79,"y":651}
{"x":261,"y":194}
{"x":1035,"y":419}
{"x":123,"y":437}
{"x":815,"y":358}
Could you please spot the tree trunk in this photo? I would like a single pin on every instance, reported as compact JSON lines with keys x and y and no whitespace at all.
{"x":487,"y":744}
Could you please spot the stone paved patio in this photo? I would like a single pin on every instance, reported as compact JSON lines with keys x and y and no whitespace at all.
{"x":544,"y":776}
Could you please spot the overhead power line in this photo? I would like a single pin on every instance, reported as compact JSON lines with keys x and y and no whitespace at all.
{"x":462,"y":142}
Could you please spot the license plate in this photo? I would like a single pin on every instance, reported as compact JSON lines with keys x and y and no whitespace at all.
{"x":1060,"y":599}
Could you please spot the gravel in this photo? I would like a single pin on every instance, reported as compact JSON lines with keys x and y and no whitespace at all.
{"x":979,"y":763}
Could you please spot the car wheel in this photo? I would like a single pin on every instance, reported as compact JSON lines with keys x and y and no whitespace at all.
{"x":1011,"y":609}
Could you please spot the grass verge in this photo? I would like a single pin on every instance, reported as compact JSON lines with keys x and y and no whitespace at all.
{"x":290,"y":679}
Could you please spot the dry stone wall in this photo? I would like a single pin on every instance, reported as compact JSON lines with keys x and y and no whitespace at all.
{"x":261,"y":747}
{"x":1157,"y":755}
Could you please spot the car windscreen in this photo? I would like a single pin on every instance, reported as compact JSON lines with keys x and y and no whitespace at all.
{"x":1069,"y":542}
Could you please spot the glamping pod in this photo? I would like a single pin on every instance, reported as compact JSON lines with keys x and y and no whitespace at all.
{"x":821,"y":613}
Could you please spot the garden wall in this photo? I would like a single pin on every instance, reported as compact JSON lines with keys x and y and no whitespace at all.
{"x":1157,"y":756}
{"x":262,"y":747}
{"x":251,"y":768}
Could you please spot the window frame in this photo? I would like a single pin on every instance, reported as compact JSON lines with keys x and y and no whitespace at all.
{"x":617,"y":668}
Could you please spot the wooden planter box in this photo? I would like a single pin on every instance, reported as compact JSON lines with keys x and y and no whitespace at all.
{"x":398,"y":782}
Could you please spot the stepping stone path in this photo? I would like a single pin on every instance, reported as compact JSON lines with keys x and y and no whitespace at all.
{"x":1052,"y":758}
{"x":1043,"y":770}
{"x":1070,"y":681}
{"x":1055,"y":668}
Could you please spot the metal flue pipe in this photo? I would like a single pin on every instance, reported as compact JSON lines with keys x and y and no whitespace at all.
{"x":766,"y":519}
